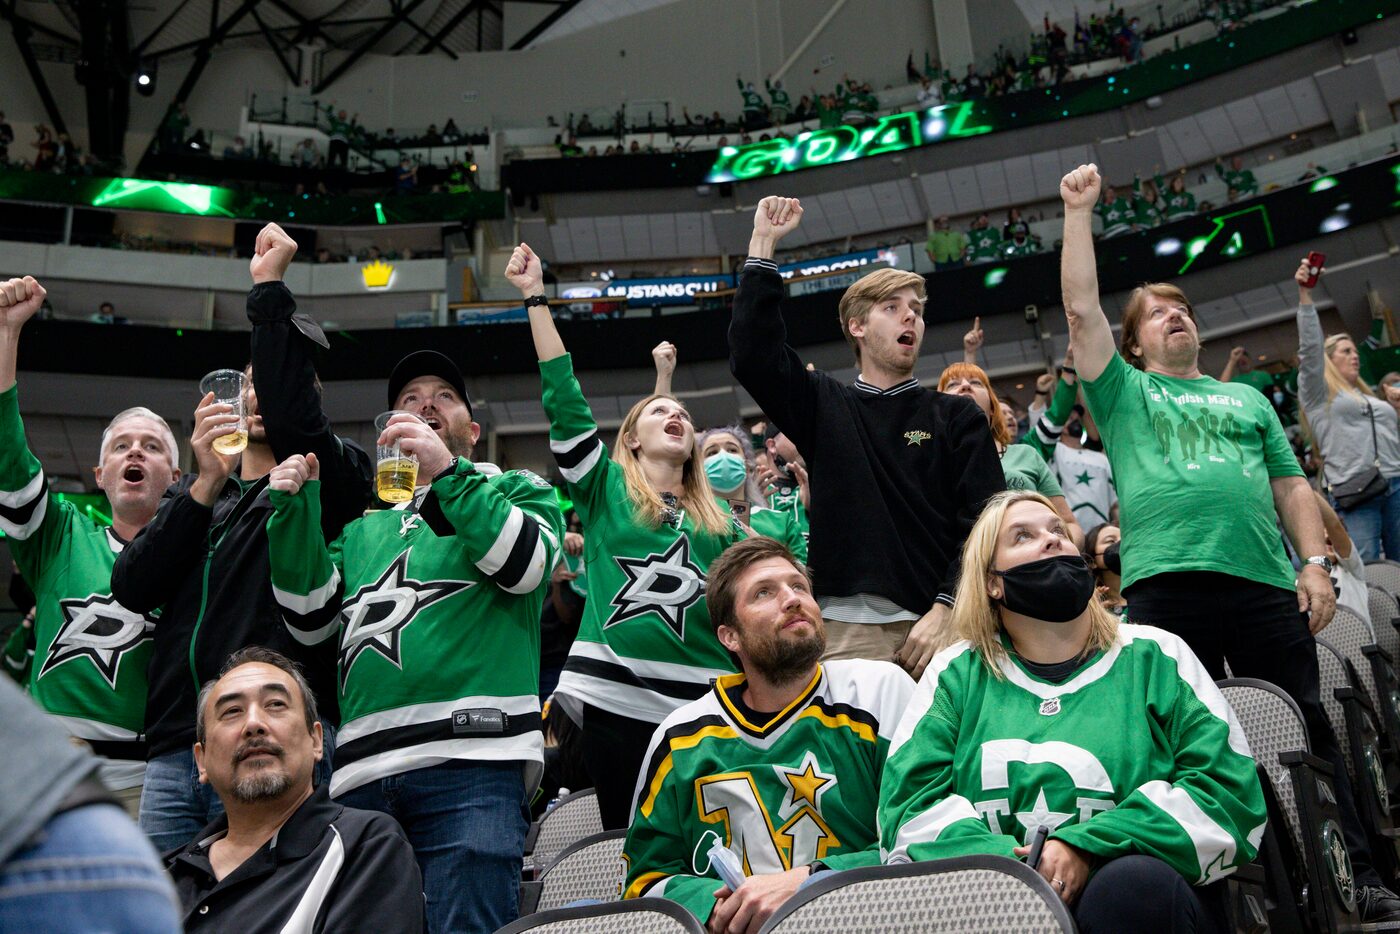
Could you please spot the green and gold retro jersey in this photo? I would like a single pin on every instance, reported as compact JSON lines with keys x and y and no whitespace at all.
{"x":802,"y":787}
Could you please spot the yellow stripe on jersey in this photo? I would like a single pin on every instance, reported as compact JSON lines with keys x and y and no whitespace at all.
{"x":726,"y":682}
{"x":680,"y":742}
{"x":642,"y":883}
{"x":837,"y":721}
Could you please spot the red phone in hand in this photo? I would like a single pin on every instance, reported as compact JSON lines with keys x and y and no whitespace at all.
{"x":1316,"y":261}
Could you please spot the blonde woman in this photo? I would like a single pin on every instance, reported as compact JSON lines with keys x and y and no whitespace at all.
{"x":1049,"y":712}
{"x":1357,"y":434}
{"x":652,"y":525}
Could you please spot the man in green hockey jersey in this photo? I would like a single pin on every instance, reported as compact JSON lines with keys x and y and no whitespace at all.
{"x":91,"y":653}
{"x":1050,"y":713}
{"x":781,"y":762}
{"x":436,"y":606}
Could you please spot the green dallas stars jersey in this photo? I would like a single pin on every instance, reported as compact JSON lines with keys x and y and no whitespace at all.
{"x":983,"y":243}
{"x":91,"y":653}
{"x":645,"y":645}
{"x":1138,"y":752}
{"x":437,"y":612}
{"x":800,"y":788}
{"x":789,"y":500}
{"x":1117,"y":218}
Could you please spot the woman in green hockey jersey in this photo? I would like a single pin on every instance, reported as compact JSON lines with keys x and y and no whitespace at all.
{"x":1049,"y":712}
{"x":652,"y":525}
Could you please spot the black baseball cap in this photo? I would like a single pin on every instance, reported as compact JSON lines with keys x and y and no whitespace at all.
{"x":427,"y":363}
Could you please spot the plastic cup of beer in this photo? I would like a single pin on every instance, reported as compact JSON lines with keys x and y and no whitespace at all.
{"x":396,"y":471}
{"x":227,"y":387}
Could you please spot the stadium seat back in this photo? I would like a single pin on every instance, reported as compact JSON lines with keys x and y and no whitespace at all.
{"x":1273,"y":725}
{"x":1384,"y":611}
{"x":590,"y":868}
{"x":1350,"y":635}
{"x":1332,"y":674}
{"x":573,"y":818}
{"x":966,"y":894}
{"x":1385,"y":575}
{"x":636,"y":916}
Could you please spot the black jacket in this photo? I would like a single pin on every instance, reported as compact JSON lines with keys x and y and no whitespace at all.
{"x":208,"y":567}
{"x":898,"y":477}
{"x":364,"y":873}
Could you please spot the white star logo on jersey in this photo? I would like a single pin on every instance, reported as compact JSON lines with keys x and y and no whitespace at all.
{"x":1041,"y":814}
{"x":98,"y":628}
{"x":376,"y":616}
{"x":666,"y":584}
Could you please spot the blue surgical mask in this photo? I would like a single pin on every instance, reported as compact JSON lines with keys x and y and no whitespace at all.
{"x":726,"y":471}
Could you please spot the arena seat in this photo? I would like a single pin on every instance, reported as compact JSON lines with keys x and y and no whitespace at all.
{"x":573,"y":818}
{"x":1385,"y":575}
{"x":1385,"y":612}
{"x":970,"y":893}
{"x":637,"y":916}
{"x":1305,"y":891}
{"x":590,"y":868}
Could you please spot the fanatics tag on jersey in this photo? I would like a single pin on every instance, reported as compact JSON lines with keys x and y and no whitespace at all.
{"x":478,"y":720}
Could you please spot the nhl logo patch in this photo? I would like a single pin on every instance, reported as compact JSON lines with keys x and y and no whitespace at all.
{"x":1049,"y":707}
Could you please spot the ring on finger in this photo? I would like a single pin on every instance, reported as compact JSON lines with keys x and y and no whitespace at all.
{"x":1060,"y":883}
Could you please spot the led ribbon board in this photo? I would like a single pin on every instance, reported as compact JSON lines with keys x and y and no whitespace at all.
{"x":142,"y":194}
{"x":813,"y":148}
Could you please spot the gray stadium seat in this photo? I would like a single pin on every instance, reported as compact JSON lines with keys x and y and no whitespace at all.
{"x":1385,"y":575}
{"x":1374,"y":667}
{"x":1384,"y":612}
{"x":637,"y":916}
{"x":573,"y":818}
{"x":1300,"y":791}
{"x":967,"y":894}
{"x":589,"y":868}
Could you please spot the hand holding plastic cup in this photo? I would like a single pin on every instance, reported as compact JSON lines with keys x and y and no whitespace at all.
{"x":396,"y":471}
{"x":227,"y":387}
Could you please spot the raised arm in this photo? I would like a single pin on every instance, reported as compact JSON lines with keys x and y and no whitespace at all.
{"x":759,"y":357}
{"x":526,"y":273}
{"x":664,"y":356}
{"x":1237,"y":355}
{"x":1089,"y":330}
{"x":1312,"y":382}
{"x":284,"y":377}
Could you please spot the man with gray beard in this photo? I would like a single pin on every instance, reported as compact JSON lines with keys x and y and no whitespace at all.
{"x":283,"y":856}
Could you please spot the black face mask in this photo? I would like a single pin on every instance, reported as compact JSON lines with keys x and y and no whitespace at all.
{"x":1111,"y":560}
{"x":1053,"y":589}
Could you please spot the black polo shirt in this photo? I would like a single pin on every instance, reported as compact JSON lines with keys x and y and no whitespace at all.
{"x":329,"y":868}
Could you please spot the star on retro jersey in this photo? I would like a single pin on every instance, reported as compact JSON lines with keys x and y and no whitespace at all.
{"x":100,"y":629}
{"x":375,"y":617}
{"x":666,"y":584}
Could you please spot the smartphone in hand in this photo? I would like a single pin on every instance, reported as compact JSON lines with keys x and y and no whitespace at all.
{"x":1037,"y":844}
{"x":1316,"y":261}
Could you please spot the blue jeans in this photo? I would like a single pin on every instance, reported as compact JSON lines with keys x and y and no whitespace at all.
{"x":1375,"y":524}
{"x":175,"y":805}
{"x":88,"y":869}
{"x":466,"y":823}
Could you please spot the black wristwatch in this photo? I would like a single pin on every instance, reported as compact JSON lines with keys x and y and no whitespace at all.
{"x":537,"y":300}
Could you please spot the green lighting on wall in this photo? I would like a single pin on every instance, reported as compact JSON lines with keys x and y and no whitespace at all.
{"x":994,"y":277}
{"x":379,"y":212}
{"x":1238,"y":240}
{"x":894,"y":133}
{"x":148,"y":195}
{"x":1322,"y":184}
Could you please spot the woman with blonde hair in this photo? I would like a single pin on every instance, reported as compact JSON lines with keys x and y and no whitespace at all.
{"x":1357,"y":434}
{"x":1050,"y":713}
{"x":1022,"y":465}
{"x":652,"y":525}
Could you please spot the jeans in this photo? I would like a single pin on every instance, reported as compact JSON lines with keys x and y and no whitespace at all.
{"x":175,"y":805}
{"x":466,"y":824}
{"x":1144,"y":895}
{"x":1259,"y":630}
{"x":88,"y":869}
{"x":1375,"y":524}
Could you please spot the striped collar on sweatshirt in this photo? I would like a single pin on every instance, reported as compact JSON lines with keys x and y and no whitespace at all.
{"x":896,"y":389}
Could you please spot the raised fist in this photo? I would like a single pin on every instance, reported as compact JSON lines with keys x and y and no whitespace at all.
{"x":664,"y":354}
{"x":1080,"y":188}
{"x":525,"y":271}
{"x":272,"y":254}
{"x":19,"y":299}
{"x":777,"y":217}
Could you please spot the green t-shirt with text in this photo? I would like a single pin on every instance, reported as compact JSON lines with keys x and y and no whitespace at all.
{"x":1193,"y":459}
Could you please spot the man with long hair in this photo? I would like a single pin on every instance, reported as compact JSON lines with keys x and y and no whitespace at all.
{"x":1201,"y":554}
